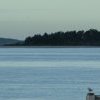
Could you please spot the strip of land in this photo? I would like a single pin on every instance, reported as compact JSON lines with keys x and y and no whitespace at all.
{"x":49,"y":46}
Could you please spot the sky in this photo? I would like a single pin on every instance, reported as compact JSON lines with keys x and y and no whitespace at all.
{"x":22,"y":18}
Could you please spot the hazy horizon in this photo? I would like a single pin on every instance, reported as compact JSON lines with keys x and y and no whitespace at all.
{"x":22,"y":18}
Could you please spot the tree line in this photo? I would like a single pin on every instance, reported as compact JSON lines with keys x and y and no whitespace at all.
{"x":90,"y":37}
{"x":69,"y":38}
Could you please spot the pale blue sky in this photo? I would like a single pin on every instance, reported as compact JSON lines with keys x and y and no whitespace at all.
{"x":20,"y":18}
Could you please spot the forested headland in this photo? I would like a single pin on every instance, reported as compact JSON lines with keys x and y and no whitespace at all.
{"x":90,"y":37}
{"x":69,"y":38}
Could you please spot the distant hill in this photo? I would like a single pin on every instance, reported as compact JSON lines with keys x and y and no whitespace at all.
{"x":7,"y":41}
{"x":90,"y":37}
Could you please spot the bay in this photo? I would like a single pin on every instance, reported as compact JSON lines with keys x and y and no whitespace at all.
{"x":48,"y":73}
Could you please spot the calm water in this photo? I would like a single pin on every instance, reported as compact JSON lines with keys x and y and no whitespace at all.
{"x":48,"y":73}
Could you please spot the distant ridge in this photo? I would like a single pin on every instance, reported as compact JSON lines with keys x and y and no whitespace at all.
{"x":90,"y":37}
{"x":8,"y":41}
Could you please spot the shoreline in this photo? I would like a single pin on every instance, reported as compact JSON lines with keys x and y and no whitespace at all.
{"x":49,"y":46}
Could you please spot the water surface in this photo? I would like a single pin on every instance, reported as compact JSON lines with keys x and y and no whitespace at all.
{"x":48,"y":73}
